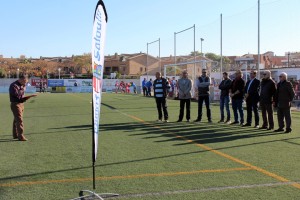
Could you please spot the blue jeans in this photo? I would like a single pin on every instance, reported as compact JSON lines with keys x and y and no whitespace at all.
{"x":224,"y":102}
{"x":237,"y":105}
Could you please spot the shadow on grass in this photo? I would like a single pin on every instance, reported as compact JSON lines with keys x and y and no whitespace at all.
{"x":8,"y":140}
{"x":199,"y":133}
{"x":101,"y":165}
{"x":51,"y":116}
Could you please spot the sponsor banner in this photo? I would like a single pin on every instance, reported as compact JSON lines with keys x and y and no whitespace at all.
{"x":55,"y":83}
{"x":98,"y":43}
{"x":87,"y":83}
{"x":37,"y":82}
{"x":80,"y":89}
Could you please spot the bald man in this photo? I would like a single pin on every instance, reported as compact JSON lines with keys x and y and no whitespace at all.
{"x":283,"y":101}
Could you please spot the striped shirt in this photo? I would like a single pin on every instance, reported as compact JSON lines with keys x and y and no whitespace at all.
{"x":161,"y":88}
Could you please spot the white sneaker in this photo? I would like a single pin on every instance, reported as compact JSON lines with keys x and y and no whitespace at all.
{"x":159,"y":121}
{"x":166,"y":121}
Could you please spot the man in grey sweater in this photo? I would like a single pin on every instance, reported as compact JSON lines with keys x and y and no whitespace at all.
{"x":184,"y":93}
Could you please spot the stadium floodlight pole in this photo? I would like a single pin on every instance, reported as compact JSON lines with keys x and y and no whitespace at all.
{"x":59,"y":73}
{"x":258,"y":54}
{"x":221,"y":45}
{"x":158,"y":40}
{"x":175,"y":33}
{"x":201,"y":39}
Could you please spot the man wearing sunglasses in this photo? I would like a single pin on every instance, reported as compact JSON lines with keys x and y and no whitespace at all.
{"x":267,"y":96}
{"x":202,"y":84}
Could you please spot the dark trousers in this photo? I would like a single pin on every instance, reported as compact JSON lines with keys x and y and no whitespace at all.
{"x":237,"y":105}
{"x":186,"y":102}
{"x":18,"y":125}
{"x":267,"y":115}
{"x":149,"y":91}
{"x":284,"y":113}
{"x":200,"y":103}
{"x":161,"y":104}
{"x":224,"y":102}
{"x":252,"y":106}
{"x":145,"y":91}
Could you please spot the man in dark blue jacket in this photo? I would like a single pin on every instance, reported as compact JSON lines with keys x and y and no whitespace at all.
{"x":252,"y":98}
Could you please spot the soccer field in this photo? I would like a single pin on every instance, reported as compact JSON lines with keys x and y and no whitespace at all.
{"x":139,"y":158}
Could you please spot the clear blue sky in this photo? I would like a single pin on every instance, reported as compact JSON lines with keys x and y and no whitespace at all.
{"x":63,"y":27}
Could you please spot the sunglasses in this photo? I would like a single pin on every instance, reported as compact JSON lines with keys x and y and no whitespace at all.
{"x":280,"y":76}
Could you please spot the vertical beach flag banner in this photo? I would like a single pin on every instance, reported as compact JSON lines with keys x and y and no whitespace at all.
{"x":98,"y":43}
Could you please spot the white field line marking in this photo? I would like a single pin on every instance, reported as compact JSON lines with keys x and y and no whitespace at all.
{"x":128,"y":196}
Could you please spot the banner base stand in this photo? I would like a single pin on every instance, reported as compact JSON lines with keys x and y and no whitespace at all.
{"x":92,"y":195}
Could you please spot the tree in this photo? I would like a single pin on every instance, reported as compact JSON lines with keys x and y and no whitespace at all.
{"x":2,"y":73}
{"x":196,"y":53}
{"x":83,"y":62}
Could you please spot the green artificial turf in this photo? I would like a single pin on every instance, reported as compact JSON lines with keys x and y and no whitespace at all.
{"x":139,"y":158}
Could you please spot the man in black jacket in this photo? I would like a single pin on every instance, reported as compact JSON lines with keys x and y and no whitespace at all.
{"x":283,"y":100}
{"x":267,"y":94}
{"x":237,"y":95}
{"x":252,"y":98}
{"x":224,"y":98}
{"x":161,"y":88}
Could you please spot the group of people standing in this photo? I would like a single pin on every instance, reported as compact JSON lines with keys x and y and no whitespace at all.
{"x":125,"y":87}
{"x":255,"y":93}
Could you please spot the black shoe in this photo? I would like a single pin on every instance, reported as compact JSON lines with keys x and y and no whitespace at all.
{"x":221,"y":121}
{"x":246,"y":125}
{"x":197,"y":120}
{"x":179,"y":120}
{"x":279,"y":130}
{"x":263,"y":127}
{"x":288,"y":130}
{"x":209,"y":121}
{"x":234,"y":123}
{"x":270,"y":128}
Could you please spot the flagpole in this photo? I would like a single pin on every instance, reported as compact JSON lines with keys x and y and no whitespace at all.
{"x":98,"y":43}
{"x":93,"y":146}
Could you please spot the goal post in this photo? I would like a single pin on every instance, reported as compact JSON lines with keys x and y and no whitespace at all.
{"x":194,"y":69}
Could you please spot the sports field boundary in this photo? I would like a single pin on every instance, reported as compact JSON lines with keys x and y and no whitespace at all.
{"x":124,"y":177}
{"x":207,"y":148}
